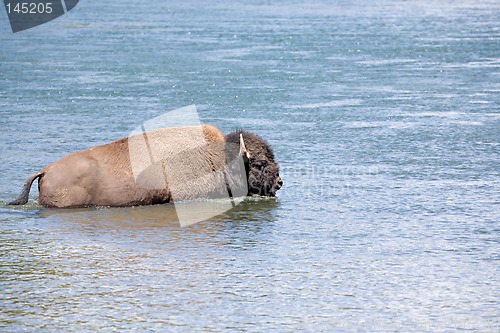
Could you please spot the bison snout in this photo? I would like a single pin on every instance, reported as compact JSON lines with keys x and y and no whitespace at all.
{"x":279,"y":181}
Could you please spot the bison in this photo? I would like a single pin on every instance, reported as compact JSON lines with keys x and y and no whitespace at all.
{"x":160,"y":166}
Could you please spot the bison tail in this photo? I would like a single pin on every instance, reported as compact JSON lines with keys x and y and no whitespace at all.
{"x":23,"y":198}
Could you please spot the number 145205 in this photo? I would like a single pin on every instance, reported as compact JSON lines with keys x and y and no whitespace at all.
{"x":29,"y":8}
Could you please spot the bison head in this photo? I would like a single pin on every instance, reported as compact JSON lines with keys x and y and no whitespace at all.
{"x":262,"y":171}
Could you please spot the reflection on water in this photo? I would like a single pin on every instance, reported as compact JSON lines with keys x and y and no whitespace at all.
{"x":253,"y":209}
{"x":249,"y":209}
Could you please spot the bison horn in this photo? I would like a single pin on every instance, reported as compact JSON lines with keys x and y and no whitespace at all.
{"x":243,"y":150}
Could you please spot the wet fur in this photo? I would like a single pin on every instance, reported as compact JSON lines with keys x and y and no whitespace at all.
{"x":262,"y":169}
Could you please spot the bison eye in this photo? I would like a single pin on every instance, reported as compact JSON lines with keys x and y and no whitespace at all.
{"x":259,"y":165}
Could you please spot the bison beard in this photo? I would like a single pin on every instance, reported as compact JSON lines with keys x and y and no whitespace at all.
{"x":103,"y":175}
{"x":262,"y":179}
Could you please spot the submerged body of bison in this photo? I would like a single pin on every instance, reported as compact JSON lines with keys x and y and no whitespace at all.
{"x":161,"y":166}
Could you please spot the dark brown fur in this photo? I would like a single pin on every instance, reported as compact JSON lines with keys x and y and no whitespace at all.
{"x":263,"y":171}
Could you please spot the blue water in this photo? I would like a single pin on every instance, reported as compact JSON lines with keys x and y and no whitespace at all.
{"x":383,"y":115}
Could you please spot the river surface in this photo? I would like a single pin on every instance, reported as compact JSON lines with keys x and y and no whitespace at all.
{"x":383,"y":115}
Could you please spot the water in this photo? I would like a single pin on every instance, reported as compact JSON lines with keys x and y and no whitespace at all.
{"x":383,"y":115}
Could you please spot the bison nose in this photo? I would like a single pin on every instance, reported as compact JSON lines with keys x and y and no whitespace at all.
{"x":280,"y":182}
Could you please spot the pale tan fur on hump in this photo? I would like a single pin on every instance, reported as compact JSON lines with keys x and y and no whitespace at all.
{"x":212,"y":134}
{"x":182,"y":159}
{"x":154,"y":167}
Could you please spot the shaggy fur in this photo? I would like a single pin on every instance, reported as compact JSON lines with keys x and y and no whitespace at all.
{"x":263,"y":172}
{"x":175,"y":164}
